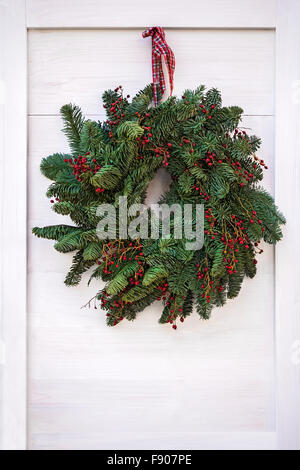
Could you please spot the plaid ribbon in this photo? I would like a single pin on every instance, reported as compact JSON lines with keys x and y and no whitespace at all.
{"x":160,"y":48}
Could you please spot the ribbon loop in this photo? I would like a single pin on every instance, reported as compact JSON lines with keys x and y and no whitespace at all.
{"x":160,"y":49}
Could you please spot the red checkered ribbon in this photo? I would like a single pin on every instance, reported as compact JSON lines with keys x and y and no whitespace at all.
{"x":160,"y":48}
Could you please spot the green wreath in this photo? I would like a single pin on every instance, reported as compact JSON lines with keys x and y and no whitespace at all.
{"x":210,"y":160}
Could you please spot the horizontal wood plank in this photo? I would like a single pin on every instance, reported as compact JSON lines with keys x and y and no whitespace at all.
{"x":78,"y":66}
{"x":167,"y":13}
{"x":159,"y":440}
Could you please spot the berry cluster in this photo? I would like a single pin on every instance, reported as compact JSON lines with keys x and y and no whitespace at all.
{"x":207,"y":284}
{"x":205,"y":196}
{"x":115,"y":306}
{"x":206,"y":111}
{"x":145,"y":139}
{"x":210,"y":219}
{"x":163,"y":153}
{"x":115,"y":253}
{"x":260,"y":162}
{"x":81,"y":165}
{"x":175,"y":310}
{"x":116,"y":108}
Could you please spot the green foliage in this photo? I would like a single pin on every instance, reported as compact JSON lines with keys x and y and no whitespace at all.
{"x":108,"y":177}
{"x":129,"y":130}
{"x":93,"y":251}
{"x":218,"y":269}
{"x":141,"y":102}
{"x":219,"y":187}
{"x":53,"y":232}
{"x":154,"y":274}
{"x":91,"y":138}
{"x":78,"y":268}
{"x":69,"y":242}
{"x":186,"y":182}
{"x":54,"y":165}
{"x":211,"y":162}
{"x":117,"y":284}
{"x":73,"y":124}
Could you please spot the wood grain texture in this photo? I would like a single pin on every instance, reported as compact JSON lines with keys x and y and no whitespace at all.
{"x":78,"y":66}
{"x":167,"y":13}
{"x":161,"y":440}
{"x":288,"y":251}
{"x":13,"y":138}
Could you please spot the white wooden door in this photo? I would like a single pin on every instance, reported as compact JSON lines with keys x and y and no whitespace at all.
{"x":142,"y":385}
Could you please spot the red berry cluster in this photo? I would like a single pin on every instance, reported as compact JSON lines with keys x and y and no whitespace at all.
{"x":145,"y":139}
{"x":135,"y":281}
{"x":206,"y":111}
{"x":114,"y":255}
{"x":252,"y":220}
{"x":116,"y":308}
{"x":81,"y":165}
{"x":207,"y":284}
{"x":170,"y":301}
{"x":260,"y":162}
{"x":188,"y":142}
{"x":231,"y":244}
{"x":241,"y":135}
{"x":162,"y":152}
{"x":210,"y":219}
{"x":164,"y":290}
{"x":56,"y":199}
{"x":175,"y":311}
{"x":202,"y":193}
{"x":116,"y":110}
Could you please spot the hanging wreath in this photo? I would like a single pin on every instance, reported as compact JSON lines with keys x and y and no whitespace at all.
{"x":211,"y":161}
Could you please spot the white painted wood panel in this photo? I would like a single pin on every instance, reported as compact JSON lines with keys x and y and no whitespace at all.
{"x":167,"y":13}
{"x":78,"y":66}
{"x":95,"y":14}
{"x":139,"y":385}
{"x":170,"y":440}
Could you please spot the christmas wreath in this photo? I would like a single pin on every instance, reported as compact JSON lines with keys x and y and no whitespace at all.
{"x":211,"y":161}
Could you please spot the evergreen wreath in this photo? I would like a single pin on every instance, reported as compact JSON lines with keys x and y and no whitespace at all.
{"x":211,"y":161}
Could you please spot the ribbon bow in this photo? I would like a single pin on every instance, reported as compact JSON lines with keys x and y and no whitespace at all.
{"x":160,"y":48}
